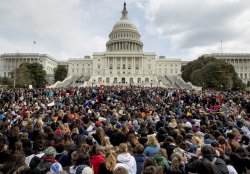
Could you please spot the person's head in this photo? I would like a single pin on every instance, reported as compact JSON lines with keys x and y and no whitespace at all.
{"x":105,"y":141}
{"x":74,"y":157}
{"x":163,"y":152}
{"x":169,"y":140}
{"x":204,"y":167}
{"x":82,"y":159}
{"x":207,"y":151}
{"x":3,"y":143}
{"x":14,"y":162}
{"x":95,"y":150}
{"x":152,"y":141}
{"x":16,"y":131}
{"x":149,"y":170}
{"x":197,"y":140}
{"x":150,"y":162}
{"x":78,"y":140}
{"x":84,"y":148}
{"x":50,"y":152}
{"x":18,"y":147}
{"x":132,"y":139}
{"x":236,"y":132}
{"x":56,"y":168}
{"x":123,"y":148}
{"x":139,"y":149}
{"x":87,"y":170}
{"x":176,"y":161}
{"x":120,"y":170}
{"x":100,"y":132}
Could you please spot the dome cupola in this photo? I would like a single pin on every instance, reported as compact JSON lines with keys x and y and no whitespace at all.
{"x":124,"y":35}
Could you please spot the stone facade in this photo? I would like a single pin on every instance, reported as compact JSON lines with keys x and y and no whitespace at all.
{"x":240,"y":61}
{"x":11,"y":61}
{"x":124,"y":60}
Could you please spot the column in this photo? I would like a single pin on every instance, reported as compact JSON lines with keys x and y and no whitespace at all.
{"x":142,"y":65}
{"x":108,"y":62}
{"x":126,"y":65}
{"x":121,"y":65}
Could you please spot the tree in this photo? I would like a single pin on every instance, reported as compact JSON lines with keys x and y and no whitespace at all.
{"x":209,"y":72}
{"x":30,"y":74}
{"x":60,"y":73}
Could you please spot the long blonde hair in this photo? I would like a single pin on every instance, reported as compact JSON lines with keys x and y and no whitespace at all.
{"x":152,"y":141}
{"x":105,"y":141}
{"x":110,"y":162}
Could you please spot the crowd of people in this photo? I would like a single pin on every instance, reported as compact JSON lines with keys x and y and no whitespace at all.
{"x":124,"y":130}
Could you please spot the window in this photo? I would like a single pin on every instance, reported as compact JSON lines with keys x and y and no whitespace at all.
{"x":99,"y":79}
{"x":124,"y":66}
{"x":171,"y":71}
{"x":99,"y":66}
{"x":137,"y":66}
{"x":147,"y":80}
{"x":129,"y":66}
{"x":149,"y":66}
{"x":110,"y":66}
{"x":118,"y":66}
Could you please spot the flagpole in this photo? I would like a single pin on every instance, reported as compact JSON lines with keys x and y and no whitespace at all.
{"x":33,"y":48}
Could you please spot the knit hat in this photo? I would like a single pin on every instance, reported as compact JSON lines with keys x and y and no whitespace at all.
{"x":117,"y":126}
{"x":50,"y":151}
{"x":56,"y":168}
{"x":87,"y":170}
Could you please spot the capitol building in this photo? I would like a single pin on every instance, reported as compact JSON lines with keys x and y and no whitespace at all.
{"x":123,"y":62}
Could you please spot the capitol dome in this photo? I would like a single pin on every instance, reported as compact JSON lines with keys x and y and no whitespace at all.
{"x":124,"y":35}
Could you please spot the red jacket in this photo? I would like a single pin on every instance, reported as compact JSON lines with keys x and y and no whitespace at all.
{"x":96,"y":161}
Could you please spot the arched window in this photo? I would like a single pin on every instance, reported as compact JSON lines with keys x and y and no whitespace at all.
{"x":115,"y":80}
{"x":131,"y":80}
{"x":139,"y":80}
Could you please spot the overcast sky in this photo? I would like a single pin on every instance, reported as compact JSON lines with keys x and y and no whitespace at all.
{"x":182,"y":29}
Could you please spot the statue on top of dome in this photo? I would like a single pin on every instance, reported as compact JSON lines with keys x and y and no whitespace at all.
{"x":124,"y":6}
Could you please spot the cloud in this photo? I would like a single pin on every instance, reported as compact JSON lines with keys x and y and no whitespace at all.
{"x":61,"y":28}
{"x":74,"y":28}
{"x":196,"y":26}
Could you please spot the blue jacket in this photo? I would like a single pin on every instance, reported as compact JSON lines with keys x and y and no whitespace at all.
{"x":139,"y":158}
{"x":150,"y":151}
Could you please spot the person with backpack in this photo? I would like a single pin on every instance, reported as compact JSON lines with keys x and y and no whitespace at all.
{"x":42,"y":165}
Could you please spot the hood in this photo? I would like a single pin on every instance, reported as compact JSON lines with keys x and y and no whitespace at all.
{"x":124,"y":157}
{"x":159,"y":157}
